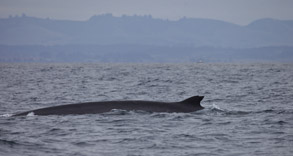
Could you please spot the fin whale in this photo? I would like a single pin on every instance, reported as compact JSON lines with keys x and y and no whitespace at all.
{"x":188,"y":105}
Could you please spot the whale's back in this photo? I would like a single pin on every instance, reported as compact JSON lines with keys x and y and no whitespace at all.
{"x":188,"y":105}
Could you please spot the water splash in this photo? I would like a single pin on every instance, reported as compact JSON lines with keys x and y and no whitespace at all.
{"x":216,"y":107}
{"x":6,"y":115}
{"x":31,"y":114}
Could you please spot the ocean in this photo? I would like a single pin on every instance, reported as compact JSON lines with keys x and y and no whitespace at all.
{"x":248,"y":109}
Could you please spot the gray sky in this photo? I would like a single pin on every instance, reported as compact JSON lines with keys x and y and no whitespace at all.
{"x":235,"y":11}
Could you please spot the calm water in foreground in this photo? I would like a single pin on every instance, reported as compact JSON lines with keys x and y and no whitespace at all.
{"x":248,"y":109}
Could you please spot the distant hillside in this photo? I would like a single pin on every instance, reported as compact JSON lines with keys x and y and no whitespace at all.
{"x":145,"y":30}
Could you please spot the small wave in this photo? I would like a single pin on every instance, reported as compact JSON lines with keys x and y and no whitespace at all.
{"x":31,"y":114}
{"x":7,"y":142}
{"x":117,"y":112}
{"x":216,"y":107}
{"x":160,"y":115}
{"x":6,"y":115}
{"x":237,"y":112}
{"x":274,"y":111}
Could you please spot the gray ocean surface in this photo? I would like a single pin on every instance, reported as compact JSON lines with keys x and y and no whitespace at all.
{"x":248,"y":109}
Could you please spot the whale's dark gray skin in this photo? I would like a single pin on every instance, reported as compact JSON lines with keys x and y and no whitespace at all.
{"x":188,"y":105}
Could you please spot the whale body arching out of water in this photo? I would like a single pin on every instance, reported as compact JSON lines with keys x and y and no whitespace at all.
{"x":188,"y":105}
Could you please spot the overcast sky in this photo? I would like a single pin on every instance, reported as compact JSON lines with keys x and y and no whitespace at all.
{"x":235,"y":11}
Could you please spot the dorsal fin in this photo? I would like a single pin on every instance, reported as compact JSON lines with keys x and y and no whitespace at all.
{"x":195,"y":100}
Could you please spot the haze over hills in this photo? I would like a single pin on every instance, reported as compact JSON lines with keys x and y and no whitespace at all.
{"x":133,"y":38}
{"x":107,"y":29}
